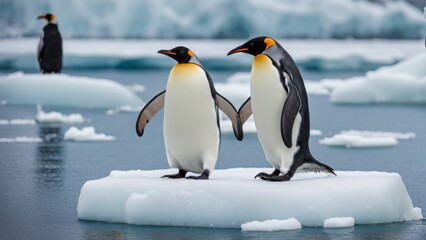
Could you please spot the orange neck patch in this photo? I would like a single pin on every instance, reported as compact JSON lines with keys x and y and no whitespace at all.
{"x":269,"y":42}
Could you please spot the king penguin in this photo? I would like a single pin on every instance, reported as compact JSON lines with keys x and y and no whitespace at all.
{"x":279,"y":105}
{"x":191,"y":122}
{"x":49,"y":54}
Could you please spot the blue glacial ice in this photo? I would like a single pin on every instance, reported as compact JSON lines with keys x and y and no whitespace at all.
{"x":216,"y":19}
{"x":65,"y":91}
{"x":20,"y":54}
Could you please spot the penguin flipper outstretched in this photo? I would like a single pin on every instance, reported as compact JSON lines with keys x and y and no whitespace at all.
{"x":245,"y":111}
{"x":288,"y":115}
{"x":149,"y":111}
{"x":230,"y":111}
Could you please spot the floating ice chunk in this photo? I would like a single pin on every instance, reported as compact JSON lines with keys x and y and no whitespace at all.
{"x":272,"y":225}
{"x":23,"y":139}
{"x":17,"y":121}
{"x":136,"y":87}
{"x":125,"y":108}
{"x":404,"y":82}
{"x":57,"y":117}
{"x":65,"y":90}
{"x":85,"y":134}
{"x":339,"y":222}
{"x":363,"y":139}
{"x":232,"y":197}
{"x":316,"y":132}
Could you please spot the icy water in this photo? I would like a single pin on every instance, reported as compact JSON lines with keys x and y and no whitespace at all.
{"x":40,"y":182}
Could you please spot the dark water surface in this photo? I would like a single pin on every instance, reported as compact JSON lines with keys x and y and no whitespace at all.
{"x":40,"y":182}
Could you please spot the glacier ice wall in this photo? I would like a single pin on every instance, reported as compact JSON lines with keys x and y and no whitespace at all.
{"x":216,"y":19}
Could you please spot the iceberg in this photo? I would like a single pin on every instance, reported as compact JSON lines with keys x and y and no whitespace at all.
{"x":57,"y":117}
{"x":23,"y":139}
{"x":404,"y":82}
{"x":365,"y":139}
{"x":171,"y":19}
{"x":17,"y":121}
{"x":318,"y":54}
{"x":65,"y":91}
{"x":272,"y":225}
{"x":232,"y":197}
{"x":339,"y":222}
{"x":86,"y":134}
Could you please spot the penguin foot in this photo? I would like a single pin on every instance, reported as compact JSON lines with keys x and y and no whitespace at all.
{"x":180,"y":174}
{"x":263,"y":174}
{"x":203,"y":176}
{"x":280,"y":178}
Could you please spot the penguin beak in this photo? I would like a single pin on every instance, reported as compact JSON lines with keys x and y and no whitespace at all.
{"x":166,"y":52}
{"x":41,"y":17}
{"x":238,"y":49}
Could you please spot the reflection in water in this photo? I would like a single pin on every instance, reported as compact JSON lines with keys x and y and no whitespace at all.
{"x":49,"y":160}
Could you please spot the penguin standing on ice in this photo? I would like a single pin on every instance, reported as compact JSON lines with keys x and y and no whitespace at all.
{"x":191,"y":121}
{"x":49,"y":54}
{"x":279,"y":105}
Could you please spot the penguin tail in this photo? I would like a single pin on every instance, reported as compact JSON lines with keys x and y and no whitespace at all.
{"x":313,"y":165}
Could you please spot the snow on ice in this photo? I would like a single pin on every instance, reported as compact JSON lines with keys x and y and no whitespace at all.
{"x":17,"y":121}
{"x":231,"y":197}
{"x":66,"y":91}
{"x":272,"y":225}
{"x":23,"y":139}
{"x":57,"y":117}
{"x":404,"y":82}
{"x":339,"y":222}
{"x":365,"y":139}
{"x":85,"y":134}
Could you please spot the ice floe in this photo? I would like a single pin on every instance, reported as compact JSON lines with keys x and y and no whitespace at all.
{"x":272,"y":225}
{"x":23,"y":139}
{"x":404,"y":82}
{"x":57,"y":117}
{"x":18,"y":54}
{"x":231,"y":197}
{"x":65,"y":91}
{"x":17,"y":121}
{"x":365,"y":139}
{"x":86,"y":134}
{"x":339,"y":222}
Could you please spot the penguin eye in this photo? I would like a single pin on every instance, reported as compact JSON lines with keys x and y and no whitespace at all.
{"x":181,"y":52}
{"x":251,"y":44}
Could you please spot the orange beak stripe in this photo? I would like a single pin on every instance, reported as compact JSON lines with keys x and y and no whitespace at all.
{"x":169,"y":53}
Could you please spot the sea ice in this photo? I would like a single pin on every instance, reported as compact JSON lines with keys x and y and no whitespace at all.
{"x":231,"y":197}
{"x":404,"y":82}
{"x":339,"y":222}
{"x":57,"y":117}
{"x":317,"y":54}
{"x":272,"y":225}
{"x":364,"y":139}
{"x":86,"y":134}
{"x":65,"y":90}
{"x":22,"y":139}
{"x":17,"y":121}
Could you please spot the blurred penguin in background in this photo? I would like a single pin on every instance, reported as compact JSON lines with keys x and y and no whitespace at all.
{"x":49,"y":53}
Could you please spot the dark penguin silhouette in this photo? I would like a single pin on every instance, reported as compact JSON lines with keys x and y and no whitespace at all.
{"x":279,"y":105}
{"x":49,"y":53}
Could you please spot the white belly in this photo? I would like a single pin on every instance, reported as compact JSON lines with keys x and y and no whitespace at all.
{"x":191,"y":134}
{"x":267,"y":98}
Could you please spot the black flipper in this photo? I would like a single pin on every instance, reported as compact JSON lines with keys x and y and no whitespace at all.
{"x":230,"y":111}
{"x":290,"y":109}
{"x":149,"y":111}
{"x":245,"y":111}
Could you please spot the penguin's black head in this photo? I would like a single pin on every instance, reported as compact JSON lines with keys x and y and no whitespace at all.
{"x":180,"y":54}
{"x":254,"y":46}
{"x":48,"y":16}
